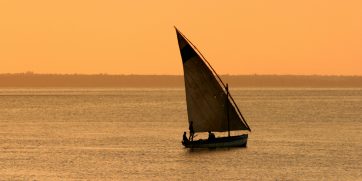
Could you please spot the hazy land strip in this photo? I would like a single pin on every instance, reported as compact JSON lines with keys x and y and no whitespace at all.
{"x":24,"y":80}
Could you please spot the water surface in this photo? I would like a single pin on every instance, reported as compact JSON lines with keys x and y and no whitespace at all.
{"x":297,"y":134}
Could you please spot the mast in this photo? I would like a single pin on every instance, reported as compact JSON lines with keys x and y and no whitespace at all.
{"x":227,"y":107}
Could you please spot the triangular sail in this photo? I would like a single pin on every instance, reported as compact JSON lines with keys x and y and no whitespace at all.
{"x":205,"y":97}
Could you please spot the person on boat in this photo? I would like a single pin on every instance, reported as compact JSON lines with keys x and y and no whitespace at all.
{"x":184,"y":138}
{"x":192,"y":132}
{"x":211,"y":136}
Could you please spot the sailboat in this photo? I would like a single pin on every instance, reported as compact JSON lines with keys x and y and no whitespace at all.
{"x":210,"y":107}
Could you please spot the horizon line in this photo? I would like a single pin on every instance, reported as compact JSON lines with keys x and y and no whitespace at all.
{"x":155,"y":74}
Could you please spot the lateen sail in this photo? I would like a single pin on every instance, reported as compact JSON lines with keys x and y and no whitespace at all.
{"x":206,"y":99}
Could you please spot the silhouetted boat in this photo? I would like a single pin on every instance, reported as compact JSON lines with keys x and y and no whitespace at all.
{"x":210,"y":106}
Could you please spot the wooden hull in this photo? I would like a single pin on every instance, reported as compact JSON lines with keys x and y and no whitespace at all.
{"x":232,"y":141}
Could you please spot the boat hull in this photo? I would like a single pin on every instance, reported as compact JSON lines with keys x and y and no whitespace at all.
{"x":232,"y":141}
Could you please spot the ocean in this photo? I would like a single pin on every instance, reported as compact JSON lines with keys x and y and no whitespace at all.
{"x":135,"y":134}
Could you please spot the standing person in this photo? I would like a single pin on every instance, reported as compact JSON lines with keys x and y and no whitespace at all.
{"x":192,"y":132}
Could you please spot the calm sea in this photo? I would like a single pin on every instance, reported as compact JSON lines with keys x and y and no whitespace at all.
{"x":135,"y":134}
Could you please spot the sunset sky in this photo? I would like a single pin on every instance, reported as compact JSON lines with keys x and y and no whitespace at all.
{"x":138,"y":37}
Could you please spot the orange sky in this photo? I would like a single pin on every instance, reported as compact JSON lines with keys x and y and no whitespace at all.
{"x":137,"y":37}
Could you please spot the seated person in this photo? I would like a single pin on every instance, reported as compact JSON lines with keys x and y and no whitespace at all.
{"x":211,"y":136}
{"x":184,"y":138}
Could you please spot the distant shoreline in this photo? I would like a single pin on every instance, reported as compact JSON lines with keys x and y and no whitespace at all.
{"x":24,"y":80}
